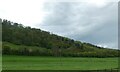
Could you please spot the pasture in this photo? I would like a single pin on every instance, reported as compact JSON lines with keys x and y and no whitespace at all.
{"x":12,"y":62}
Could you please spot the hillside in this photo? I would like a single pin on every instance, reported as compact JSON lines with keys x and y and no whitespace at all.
{"x":20,"y":40}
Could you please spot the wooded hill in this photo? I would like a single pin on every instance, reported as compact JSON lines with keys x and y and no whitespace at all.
{"x":21,"y":40}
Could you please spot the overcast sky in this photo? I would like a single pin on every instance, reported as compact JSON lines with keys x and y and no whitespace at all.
{"x":93,"y":21}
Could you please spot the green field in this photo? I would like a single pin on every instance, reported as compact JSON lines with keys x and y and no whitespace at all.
{"x":11,"y":62}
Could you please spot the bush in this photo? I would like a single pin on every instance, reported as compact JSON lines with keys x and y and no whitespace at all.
{"x":6,"y":50}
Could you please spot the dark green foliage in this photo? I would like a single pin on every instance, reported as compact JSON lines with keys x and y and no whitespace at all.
{"x":20,"y":35}
{"x":53,"y":44}
{"x":6,"y":50}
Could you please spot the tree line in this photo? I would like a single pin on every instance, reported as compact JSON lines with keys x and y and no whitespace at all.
{"x":49,"y":44}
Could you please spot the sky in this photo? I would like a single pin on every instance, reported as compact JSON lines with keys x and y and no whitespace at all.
{"x":91,"y":21}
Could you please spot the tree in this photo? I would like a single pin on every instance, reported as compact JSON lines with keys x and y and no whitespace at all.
{"x":20,"y":35}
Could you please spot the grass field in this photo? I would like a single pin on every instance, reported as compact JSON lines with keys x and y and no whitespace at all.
{"x":57,"y":63}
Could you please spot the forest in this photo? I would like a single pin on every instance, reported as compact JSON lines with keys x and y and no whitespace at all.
{"x":24,"y":40}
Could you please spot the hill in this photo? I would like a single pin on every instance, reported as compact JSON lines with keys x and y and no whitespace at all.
{"x":20,"y":40}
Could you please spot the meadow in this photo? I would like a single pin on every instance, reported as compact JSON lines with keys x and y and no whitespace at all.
{"x":13,"y":62}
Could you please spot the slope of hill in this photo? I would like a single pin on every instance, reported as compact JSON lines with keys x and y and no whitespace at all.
{"x":21,"y":40}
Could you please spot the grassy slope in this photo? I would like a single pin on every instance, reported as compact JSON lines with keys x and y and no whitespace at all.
{"x":11,"y":62}
{"x":13,"y":46}
{"x":90,"y":51}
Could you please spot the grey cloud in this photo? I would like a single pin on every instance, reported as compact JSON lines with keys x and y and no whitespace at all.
{"x":84,"y":22}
